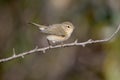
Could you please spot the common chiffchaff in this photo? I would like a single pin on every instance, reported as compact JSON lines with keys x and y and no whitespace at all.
{"x":56,"y":32}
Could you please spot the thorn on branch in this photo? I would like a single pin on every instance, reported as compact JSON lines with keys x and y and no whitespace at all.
{"x":14,"y":52}
{"x":22,"y":56}
{"x":36,"y":47}
{"x":44,"y":51}
{"x":83,"y":45}
{"x":90,"y":40}
{"x":76,"y":41}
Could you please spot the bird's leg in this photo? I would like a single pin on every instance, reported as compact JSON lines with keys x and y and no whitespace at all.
{"x":49,"y":43}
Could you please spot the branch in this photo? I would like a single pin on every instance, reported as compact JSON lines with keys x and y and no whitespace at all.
{"x":75,"y":43}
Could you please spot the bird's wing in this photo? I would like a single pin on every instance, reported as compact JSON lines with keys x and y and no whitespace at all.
{"x":38,"y":25}
{"x":55,"y":29}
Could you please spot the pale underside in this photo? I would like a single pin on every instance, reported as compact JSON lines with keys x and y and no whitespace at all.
{"x":55,"y":38}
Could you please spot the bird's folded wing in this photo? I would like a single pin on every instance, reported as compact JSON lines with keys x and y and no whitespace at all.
{"x":55,"y":29}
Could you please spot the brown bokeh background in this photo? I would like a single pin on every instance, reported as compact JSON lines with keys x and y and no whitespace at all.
{"x":93,"y":19}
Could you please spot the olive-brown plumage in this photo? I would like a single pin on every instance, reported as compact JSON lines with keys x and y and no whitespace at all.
{"x":57,"y":32}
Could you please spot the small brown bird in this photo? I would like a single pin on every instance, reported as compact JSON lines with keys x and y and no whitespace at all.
{"x":56,"y":32}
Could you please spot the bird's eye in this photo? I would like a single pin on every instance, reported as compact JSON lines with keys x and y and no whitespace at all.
{"x":68,"y":26}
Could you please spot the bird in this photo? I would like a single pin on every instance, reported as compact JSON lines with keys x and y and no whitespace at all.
{"x":56,"y":32}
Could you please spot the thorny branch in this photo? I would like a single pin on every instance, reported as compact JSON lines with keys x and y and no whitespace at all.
{"x":75,"y":43}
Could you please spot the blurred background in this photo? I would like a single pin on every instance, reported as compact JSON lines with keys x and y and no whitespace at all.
{"x":93,"y":19}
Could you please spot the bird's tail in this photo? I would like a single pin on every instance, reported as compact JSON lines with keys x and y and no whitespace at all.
{"x":41,"y":27}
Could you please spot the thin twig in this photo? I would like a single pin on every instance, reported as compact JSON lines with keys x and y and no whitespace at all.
{"x":75,"y":43}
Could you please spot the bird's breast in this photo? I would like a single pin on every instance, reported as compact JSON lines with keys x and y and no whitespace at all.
{"x":55,"y":38}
